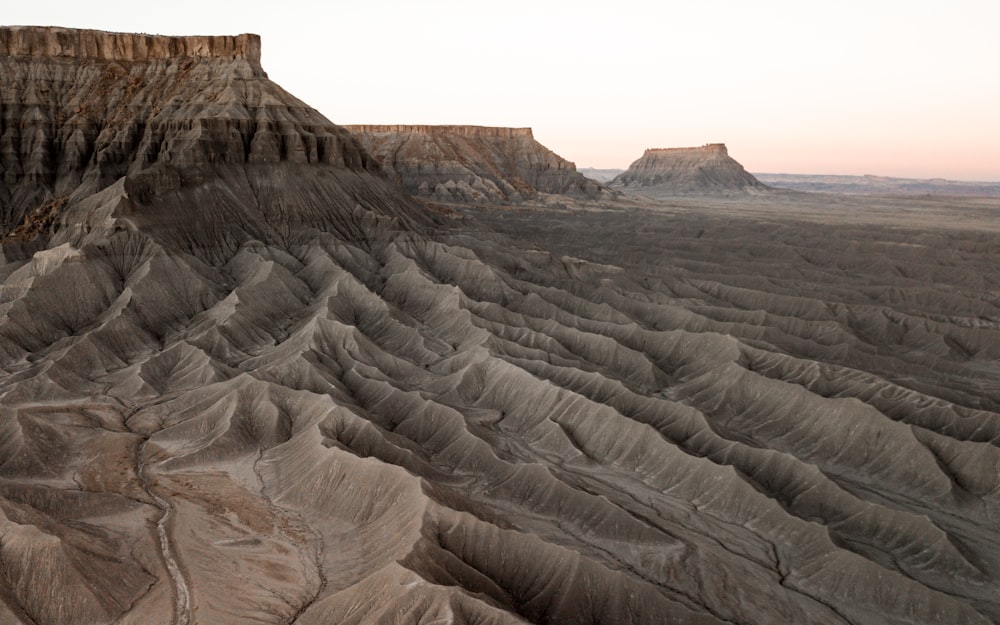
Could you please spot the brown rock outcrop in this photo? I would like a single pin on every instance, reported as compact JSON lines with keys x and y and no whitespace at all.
{"x":80,"y":110}
{"x":477,"y":164}
{"x":56,"y":42}
{"x":687,"y":171}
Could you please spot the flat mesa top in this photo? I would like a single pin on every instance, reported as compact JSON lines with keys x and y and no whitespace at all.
{"x":468,"y":131}
{"x":707,"y":148}
{"x":51,"y":41}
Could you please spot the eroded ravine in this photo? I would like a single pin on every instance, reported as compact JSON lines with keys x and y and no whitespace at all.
{"x":182,"y":597}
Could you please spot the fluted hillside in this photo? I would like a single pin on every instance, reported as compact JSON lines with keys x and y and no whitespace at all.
{"x":180,"y":123}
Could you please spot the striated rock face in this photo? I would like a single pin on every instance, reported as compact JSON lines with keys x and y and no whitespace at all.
{"x":105,"y":46}
{"x":80,"y":110}
{"x":686,"y":171}
{"x":473,"y":163}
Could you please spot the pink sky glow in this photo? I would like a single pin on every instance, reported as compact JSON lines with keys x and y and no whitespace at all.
{"x":880,"y":87}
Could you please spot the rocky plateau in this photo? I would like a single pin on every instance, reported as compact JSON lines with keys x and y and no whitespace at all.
{"x":474,"y":164}
{"x":246,"y":379}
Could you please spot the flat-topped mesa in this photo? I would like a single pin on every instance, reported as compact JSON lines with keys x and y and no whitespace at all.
{"x":50,"y":41}
{"x":477,"y":164}
{"x":498,"y":132}
{"x":708,"y":148}
{"x":687,"y":171}
{"x":83,"y":109}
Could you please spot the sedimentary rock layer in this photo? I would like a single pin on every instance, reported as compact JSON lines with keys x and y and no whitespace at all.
{"x":164,"y":116}
{"x":473,"y":163}
{"x":686,"y":171}
{"x":125,"y":47}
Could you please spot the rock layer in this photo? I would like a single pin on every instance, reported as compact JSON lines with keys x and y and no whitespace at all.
{"x":687,"y":171}
{"x":473,"y":163}
{"x":80,"y":110}
{"x":127,"y":47}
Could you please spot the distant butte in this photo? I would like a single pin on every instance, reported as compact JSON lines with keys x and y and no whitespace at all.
{"x":478,"y":164}
{"x":687,"y":171}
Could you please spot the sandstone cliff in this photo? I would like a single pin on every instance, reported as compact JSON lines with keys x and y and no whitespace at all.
{"x":80,"y":110}
{"x":686,"y":171}
{"x":473,"y":163}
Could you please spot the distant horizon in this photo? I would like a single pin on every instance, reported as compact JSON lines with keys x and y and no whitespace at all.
{"x":640,"y":151}
{"x":933,"y":179}
{"x":886,"y":89}
{"x":802,"y":171}
{"x":819,"y":173}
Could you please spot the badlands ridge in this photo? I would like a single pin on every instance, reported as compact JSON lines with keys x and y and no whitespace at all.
{"x":245,"y":378}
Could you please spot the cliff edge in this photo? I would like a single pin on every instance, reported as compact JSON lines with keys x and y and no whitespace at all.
{"x":55,"y":42}
{"x":477,"y":164}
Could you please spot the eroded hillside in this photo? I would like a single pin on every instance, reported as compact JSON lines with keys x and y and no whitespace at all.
{"x":279,"y":391}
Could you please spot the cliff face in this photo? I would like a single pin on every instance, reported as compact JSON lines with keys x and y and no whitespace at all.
{"x":107,"y":46}
{"x":80,"y":110}
{"x":473,"y":163}
{"x":686,"y":171}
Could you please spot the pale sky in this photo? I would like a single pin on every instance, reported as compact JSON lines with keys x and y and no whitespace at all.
{"x":880,"y":87}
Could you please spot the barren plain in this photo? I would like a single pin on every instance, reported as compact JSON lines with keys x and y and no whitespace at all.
{"x":245,"y":379}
